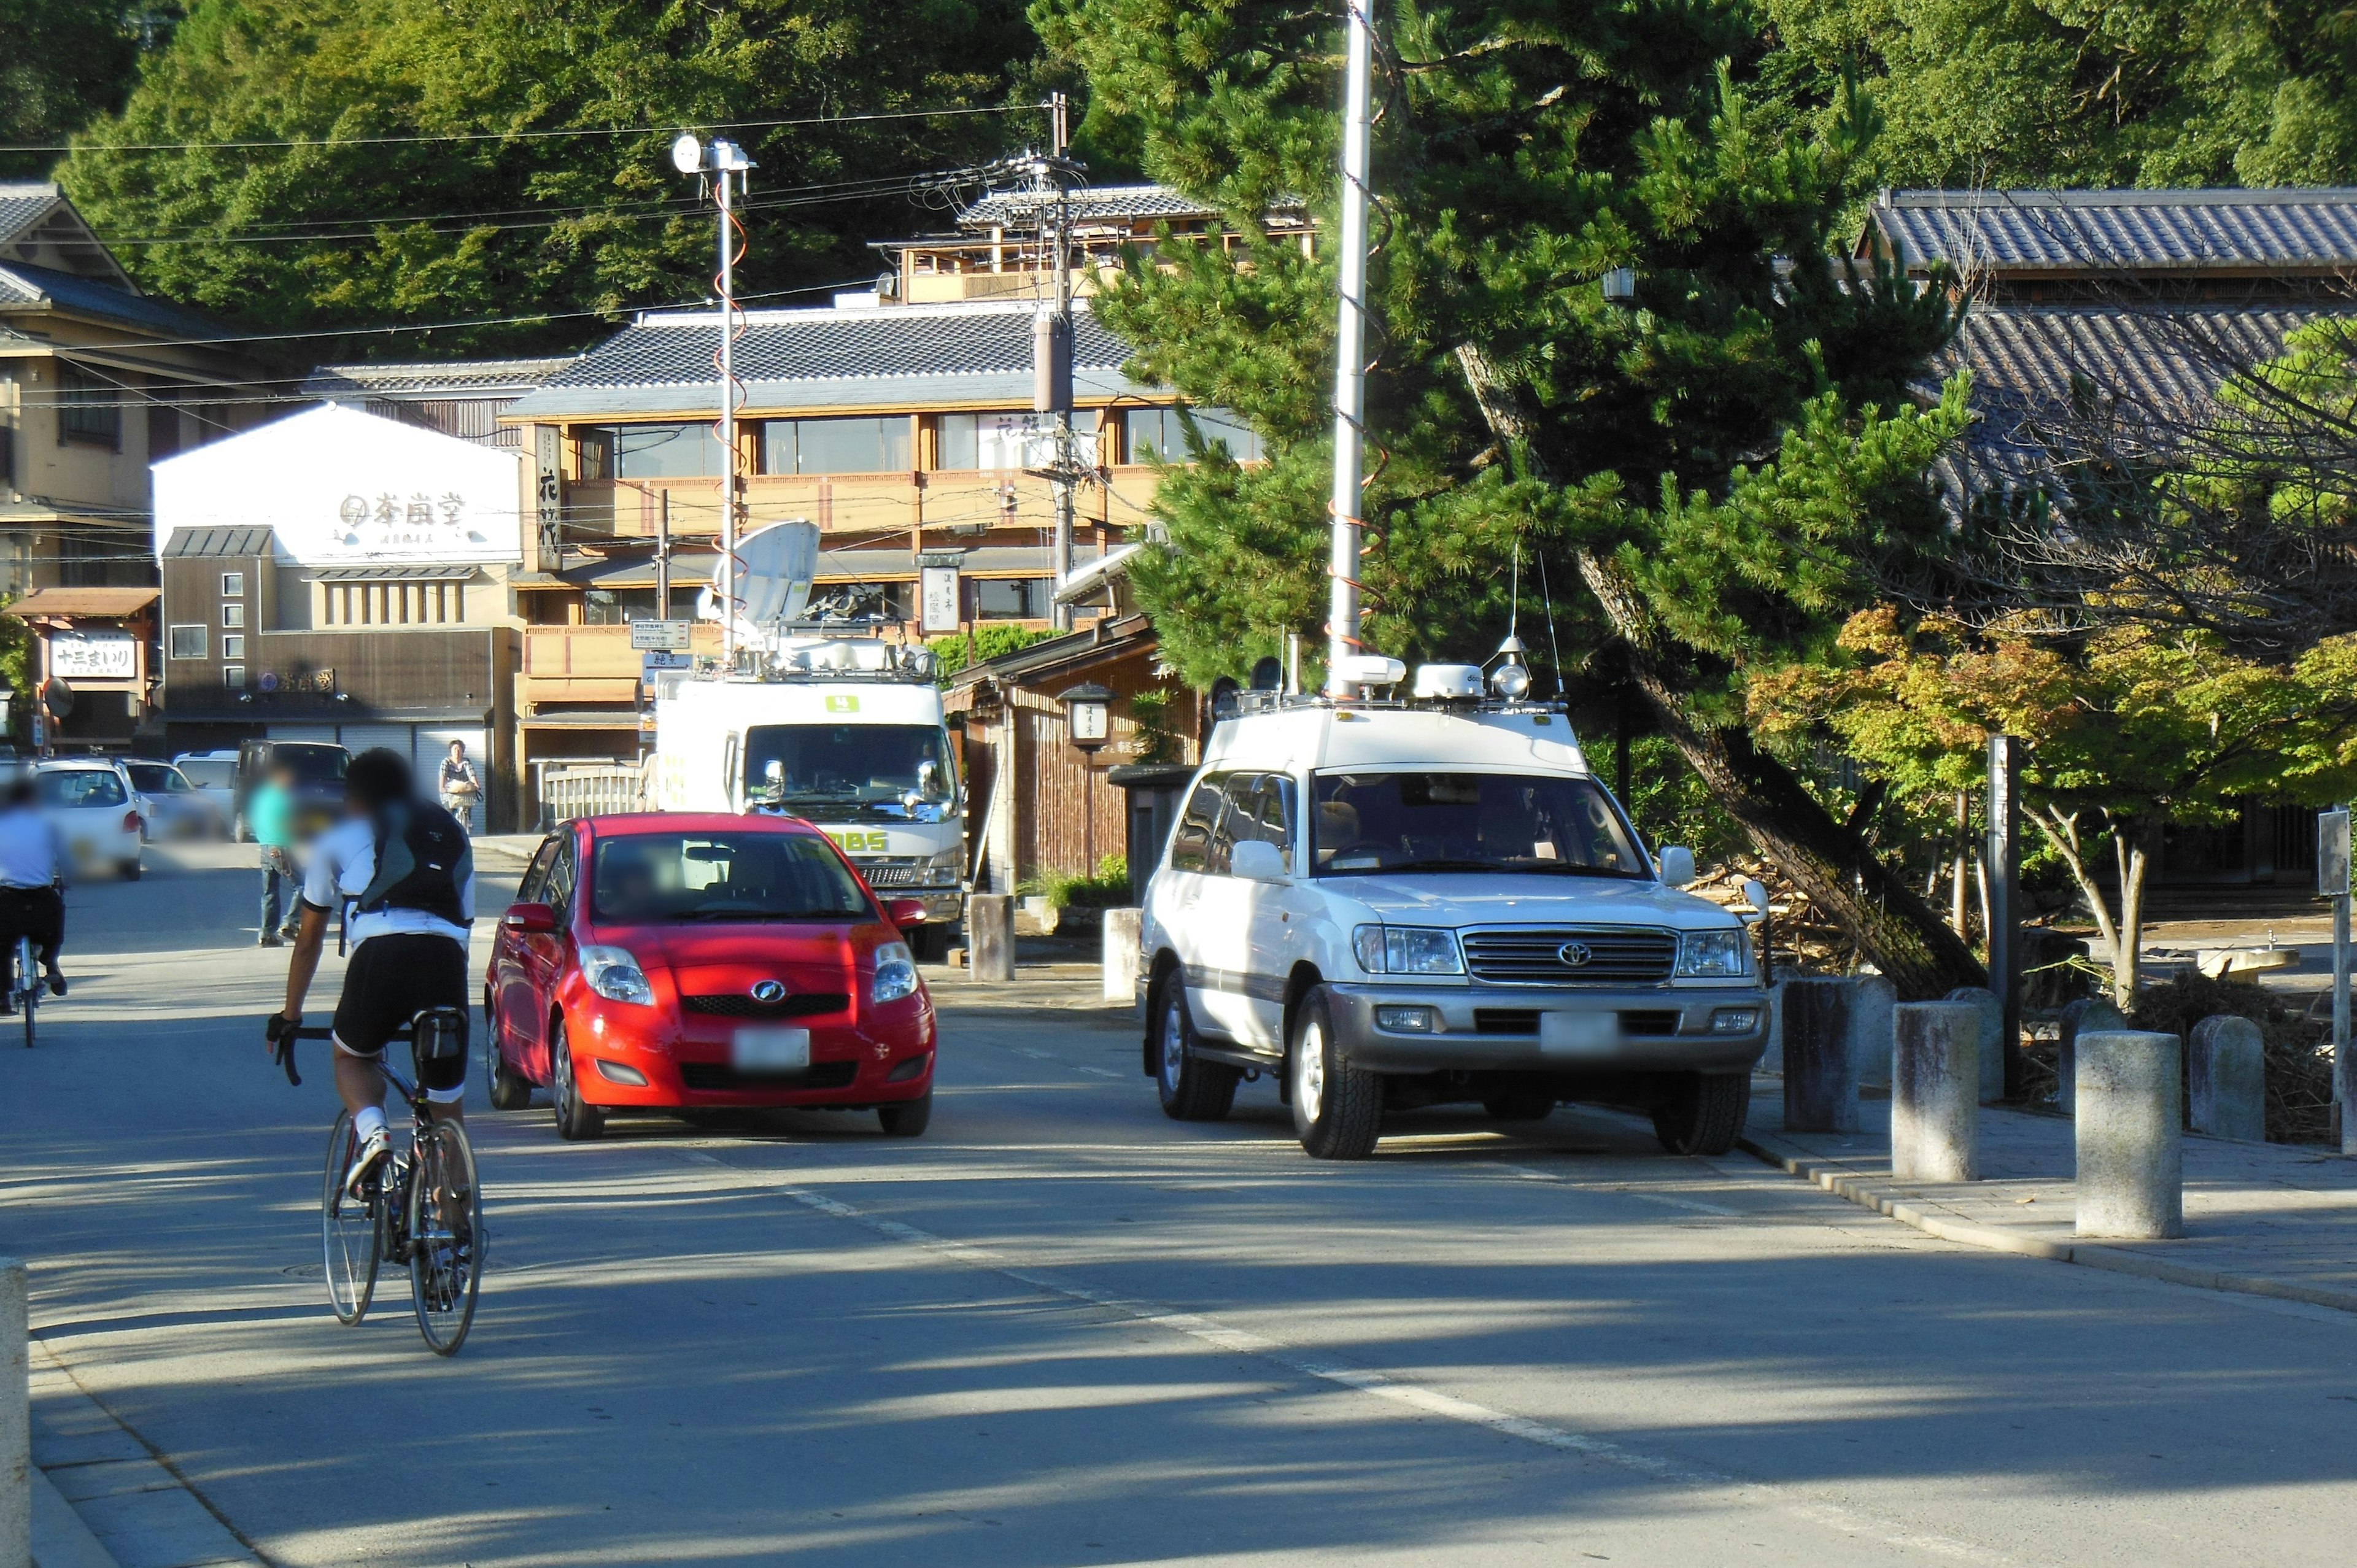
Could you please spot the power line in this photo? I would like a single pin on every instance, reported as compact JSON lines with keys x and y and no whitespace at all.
{"x":514,"y":135}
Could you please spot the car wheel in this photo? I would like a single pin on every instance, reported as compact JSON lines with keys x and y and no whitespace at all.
{"x":1704,"y":1113}
{"x":129,"y":870}
{"x":511,"y":1091}
{"x":1337,"y":1109}
{"x":576,"y":1119}
{"x":1520,"y":1105}
{"x":908,"y":1119}
{"x":1191,"y":1089}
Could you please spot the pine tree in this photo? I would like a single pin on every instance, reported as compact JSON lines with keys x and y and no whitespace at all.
{"x":1729,"y":467}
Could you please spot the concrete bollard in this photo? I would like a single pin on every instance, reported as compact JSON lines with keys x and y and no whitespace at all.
{"x":1120,"y":938}
{"x":990,"y":937}
{"x":2084,"y":1016}
{"x":1772,"y":1058}
{"x":2226,"y":1079}
{"x":1991,"y":1012}
{"x":1872,"y":997}
{"x":1820,"y":1056}
{"x":2131,"y":1179}
{"x":15,"y":1420}
{"x":1935,"y":1092}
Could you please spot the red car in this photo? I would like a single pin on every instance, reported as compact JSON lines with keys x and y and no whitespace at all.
{"x":672,"y":962}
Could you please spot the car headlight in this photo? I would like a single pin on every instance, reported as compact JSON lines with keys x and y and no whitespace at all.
{"x":896,"y":973}
{"x":614,"y":974}
{"x":1714,"y":955}
{"x":1407,"y":950}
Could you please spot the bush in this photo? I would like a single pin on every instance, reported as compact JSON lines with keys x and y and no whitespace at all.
{"x":1108,"y":889}
{"x":2299,"y":1072}
{"x":989,"y":642}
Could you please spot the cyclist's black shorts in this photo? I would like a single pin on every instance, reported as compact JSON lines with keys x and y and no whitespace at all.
{"x":35,"y":912}
{"x":393,"y":978}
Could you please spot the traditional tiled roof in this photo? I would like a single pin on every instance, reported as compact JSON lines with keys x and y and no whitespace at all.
{"x":914,"y":356}
{"x":1097,"y":204}
{"x":428,"y":379}
{"x":23,"y":203}
{"x":27,"y":285}
{"x":2232,"y":232}
{"x":220,"y":542}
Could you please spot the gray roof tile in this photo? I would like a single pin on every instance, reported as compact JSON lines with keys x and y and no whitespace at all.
{"x":221,"y":542}
{"x":22,"y":204}
{"x":429,"y":379}
{"x":1019,"y":208}
{"x":2179,"y":232}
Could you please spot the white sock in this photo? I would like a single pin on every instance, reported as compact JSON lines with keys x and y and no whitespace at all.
{"x":369,"y":1123}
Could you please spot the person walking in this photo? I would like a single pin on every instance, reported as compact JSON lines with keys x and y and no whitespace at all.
{"x":270,"y":817}
{"x":460,"y":786}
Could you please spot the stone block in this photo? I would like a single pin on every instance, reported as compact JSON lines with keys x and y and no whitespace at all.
{"x":1990,"y":1011}
{"x":2131,"y":1179}
{"x":1935,"y":1092}
{"x":990,"y":937}
{"x":2085,"y":1016}
{"x":1119,"y":939}
{"x":1820,"y":1056}
{"x":2226,"y":1079}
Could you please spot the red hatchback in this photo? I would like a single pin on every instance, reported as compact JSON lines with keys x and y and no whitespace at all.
{"x":672,"y":961}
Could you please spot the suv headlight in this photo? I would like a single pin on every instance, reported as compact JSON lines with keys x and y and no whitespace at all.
{"x":896,"y":973}
{"x":1407,"y":950}
{"x":1714,"y":955}
{"x":614,"y":974}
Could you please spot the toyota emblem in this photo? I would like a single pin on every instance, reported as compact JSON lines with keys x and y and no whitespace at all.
{"x":1575,"y":955}
{"x":770,"y":991}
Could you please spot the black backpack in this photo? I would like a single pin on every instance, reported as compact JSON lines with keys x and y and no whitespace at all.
{"x":423,"y":862}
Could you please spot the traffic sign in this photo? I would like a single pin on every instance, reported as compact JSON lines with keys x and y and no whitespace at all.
{"x":655,"y":659}
{"x":661,"y":636}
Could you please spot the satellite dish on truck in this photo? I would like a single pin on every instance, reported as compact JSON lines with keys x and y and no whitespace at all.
{"x":774,"y":571}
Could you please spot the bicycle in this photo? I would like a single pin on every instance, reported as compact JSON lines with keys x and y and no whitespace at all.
{"x":403,"y":1213}
{"x":25,"y":985}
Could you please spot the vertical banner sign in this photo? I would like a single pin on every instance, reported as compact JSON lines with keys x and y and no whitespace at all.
{"x":938,"y":610}
{"x":2332,"y":881}
{"x":2003,"y":857}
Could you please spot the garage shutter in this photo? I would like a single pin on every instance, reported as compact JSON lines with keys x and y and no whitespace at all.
{"x":399,"y":740}
{"x":321,"y":733}
{"x":434,"y":745}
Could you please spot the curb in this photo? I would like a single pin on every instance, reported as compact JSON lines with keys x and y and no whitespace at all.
{"x":60,"y":1538}
{"x":1860,"y":1190}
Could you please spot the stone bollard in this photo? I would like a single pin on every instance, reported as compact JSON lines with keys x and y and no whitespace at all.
{"x":2131,"y":1179}
{"x":2084,"y":1016}
{"x":2226,"y":1079}
{"x":1120,"y":938}
{"x":1872,"y":997}
{"x":1991,"y":1012}
{"x":990,"y":937}
{"x":1935,"y":1092}
{"x":1772,"y":1058}
{"x":15,"y":1421}
{"x":1820,"y":1056}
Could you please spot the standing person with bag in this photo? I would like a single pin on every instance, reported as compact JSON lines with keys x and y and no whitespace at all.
{"x":270,"y":817}
{"x":460,"y":786}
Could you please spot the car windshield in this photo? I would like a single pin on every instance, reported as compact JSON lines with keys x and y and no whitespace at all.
{"x":1365,"y":823}
{"x":157,"y":778}
{"x":209,"y":772}
{"x":82,"y":787}
{"x":836,"y":770}
{"x":657,"y":878}
{"x":310,"y":762}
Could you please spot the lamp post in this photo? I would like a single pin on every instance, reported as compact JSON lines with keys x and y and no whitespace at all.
{"x":1088,"y":722}
{"x":724,"y":161}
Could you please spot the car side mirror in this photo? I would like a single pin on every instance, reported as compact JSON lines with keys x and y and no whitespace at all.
{"x":531,"y":919}
{"x":1677,"y":865}
{"x":1755,"y":893}
{"x":905,"y":912}
{"x":1257,"y":860}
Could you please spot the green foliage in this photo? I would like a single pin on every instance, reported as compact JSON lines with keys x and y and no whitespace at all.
{"x":1670,"y":804}
{"x":1107,"y":890}
{"x":17,"y":667}
{"x":952,"y":654}
{"x":518,"y":221}
{"x":1149,"y":710}
{"x":62,"y":64}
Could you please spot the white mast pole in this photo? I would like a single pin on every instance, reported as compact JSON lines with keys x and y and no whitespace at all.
{"x":1350,"y":361}
{"x":727,"y":419}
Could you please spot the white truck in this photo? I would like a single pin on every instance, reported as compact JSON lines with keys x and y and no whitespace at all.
{"x":846,"y":733}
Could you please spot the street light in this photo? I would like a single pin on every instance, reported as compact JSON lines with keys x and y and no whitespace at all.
{"x":1087,"y":720}
{"x":726,"y":163}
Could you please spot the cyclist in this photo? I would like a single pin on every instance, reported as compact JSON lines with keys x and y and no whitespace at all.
{"x":32,"y":869}
{"x":404,"y":871}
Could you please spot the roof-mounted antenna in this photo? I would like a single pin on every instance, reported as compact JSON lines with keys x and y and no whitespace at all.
{"x":1512,"y":679}
{"x":1554,"y":650}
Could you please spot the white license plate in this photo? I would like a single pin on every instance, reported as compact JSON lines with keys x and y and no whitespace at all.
{"x":1573,"y":1034}
{"x":771,"y":1050}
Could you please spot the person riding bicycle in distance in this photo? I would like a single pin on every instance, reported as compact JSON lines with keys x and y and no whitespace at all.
{"x":405,"y":871}
{"x":32,"y":868}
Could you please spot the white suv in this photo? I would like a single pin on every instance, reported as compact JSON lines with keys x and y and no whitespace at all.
{"x":1403,"y":906}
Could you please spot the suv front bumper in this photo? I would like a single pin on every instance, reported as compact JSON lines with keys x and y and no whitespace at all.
{"x":1501,"y":1028}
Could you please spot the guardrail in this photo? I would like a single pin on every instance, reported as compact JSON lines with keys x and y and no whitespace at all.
{"x":567,"y":790}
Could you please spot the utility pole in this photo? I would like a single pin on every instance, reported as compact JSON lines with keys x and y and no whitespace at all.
{"x":2002,"y":856}
{"x":1350,"y":361}
{"x":2332,"y":881}
{"x":662,"y":560}
{"x":722,"y":159}
{"x":1052,"y":342}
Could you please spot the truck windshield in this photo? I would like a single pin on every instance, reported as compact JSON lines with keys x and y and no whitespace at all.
{"x":832,"y":770}
{"x":1366,"y":823}
{"x":663,"y":878}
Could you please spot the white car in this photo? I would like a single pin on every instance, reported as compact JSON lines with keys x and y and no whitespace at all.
{"x":1389,"y":905}
{"x":171,"y":806}
{"x":214,"y":775}
{"x":91,"y":801}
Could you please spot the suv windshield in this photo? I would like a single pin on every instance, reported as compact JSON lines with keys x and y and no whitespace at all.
{"x":157,"y":778}
{"x":1526,"y":823}
{"x":837,"y":770}
{"x":310,"y":762}
{"x":655,"y":878}
{"x":73,"y":787}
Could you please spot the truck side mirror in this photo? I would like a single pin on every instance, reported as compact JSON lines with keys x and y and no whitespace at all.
{"x":1677,"y":865}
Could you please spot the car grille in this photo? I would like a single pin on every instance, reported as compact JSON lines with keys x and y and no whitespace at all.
{"x":720,"y":1075}
{"x":1525,"y":1021}
{"x":794,"y":1004}
{"x":1618,"y":955}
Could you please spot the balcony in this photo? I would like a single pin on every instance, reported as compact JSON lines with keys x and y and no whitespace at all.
{"x":850,"y":504}
{"x":589,"y":665}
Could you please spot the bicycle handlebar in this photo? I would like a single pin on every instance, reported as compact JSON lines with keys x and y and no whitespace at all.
{"x":317,"y":1032}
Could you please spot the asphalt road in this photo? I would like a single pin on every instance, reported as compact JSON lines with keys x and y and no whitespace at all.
{"x":1061,"y":1329}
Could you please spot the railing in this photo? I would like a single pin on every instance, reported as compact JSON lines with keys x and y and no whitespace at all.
{"x":588,"y":790}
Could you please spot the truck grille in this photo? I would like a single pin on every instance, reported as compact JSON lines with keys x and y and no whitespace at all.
{"x":895,"y":876}
{"x":799,"y":1005}
{"x":720,"y":1075}
{"x":1529,"y":955}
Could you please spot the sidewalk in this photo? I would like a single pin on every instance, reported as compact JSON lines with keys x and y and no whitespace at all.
{"x":2262,"y":1218}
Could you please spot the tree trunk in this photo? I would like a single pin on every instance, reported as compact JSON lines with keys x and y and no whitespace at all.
{"x":2061,"y":831}
{"x":2131,"y":841}
{"x":1875,"y":907}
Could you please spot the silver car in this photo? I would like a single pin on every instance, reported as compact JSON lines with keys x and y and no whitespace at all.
{"x":171,"y":806}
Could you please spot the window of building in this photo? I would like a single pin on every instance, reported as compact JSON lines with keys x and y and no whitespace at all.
{"x":666,"y":451}
{"x":163,"y":430}
{"x":593,"y":456}
{"x":391,"y":603}
{"x":233,"y":676}
{"x":232,"y":584}
{"x":189,"y":642}
{"x":234,"y":645}
{"x":1011,"y":598}
{"x":617,"y":607}
{"x":1160,"y":432}
{"x":1014,"y":439}
{"x":232,"y":615}
{"x":835,"y":445}
{"x":892,"y":601}
{"x":90,"y":408}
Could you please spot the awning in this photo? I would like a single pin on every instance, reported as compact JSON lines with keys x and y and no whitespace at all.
{"x":114,"y":602}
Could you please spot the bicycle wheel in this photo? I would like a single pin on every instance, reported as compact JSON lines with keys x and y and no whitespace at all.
{"x":29,"y":988}
{"x":445,"y":1236}
{"x":348,"y":1230}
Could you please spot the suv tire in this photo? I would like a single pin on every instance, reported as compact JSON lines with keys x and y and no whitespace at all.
{"x":1704,"y":1113}
{"x":1191,"y":1089}
{"x":1337,"y":1109}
